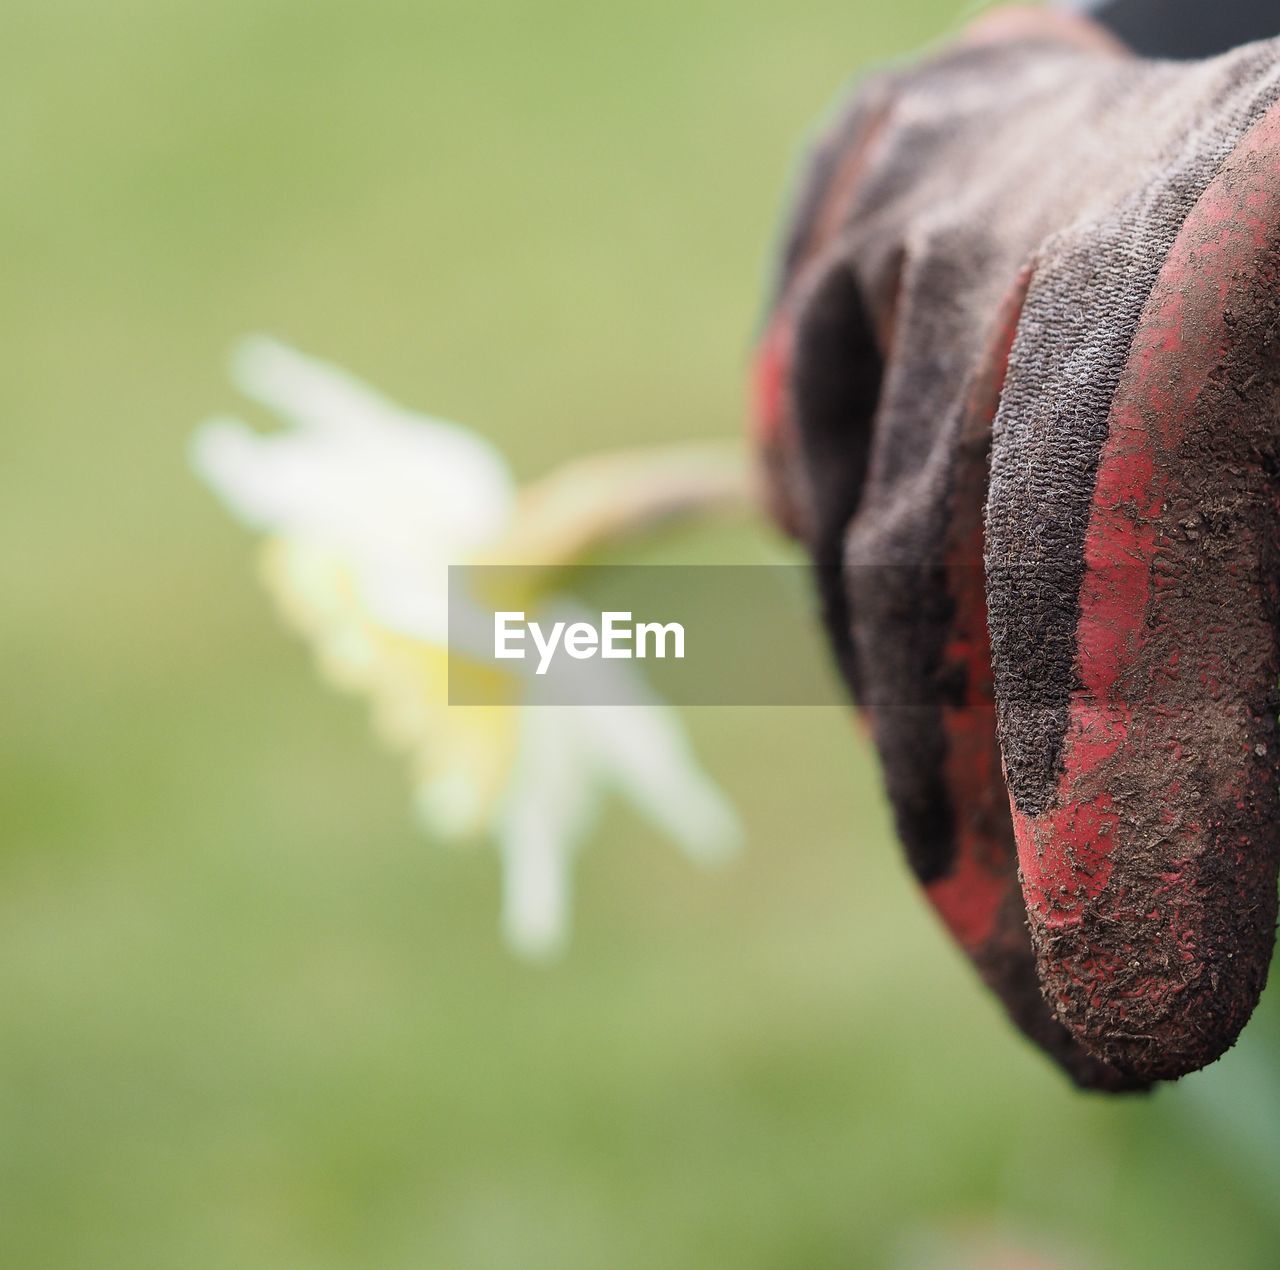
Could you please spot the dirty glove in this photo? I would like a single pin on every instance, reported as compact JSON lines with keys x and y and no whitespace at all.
{"x":1025,"y":312}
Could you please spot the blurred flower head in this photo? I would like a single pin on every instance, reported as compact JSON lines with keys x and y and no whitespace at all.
{"x":365,"y":506}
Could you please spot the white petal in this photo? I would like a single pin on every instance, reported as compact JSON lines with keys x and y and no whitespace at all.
{"x":309,"y":392}
{"x":535,"y":895}
{"x":277,"y":482}
{"x":643,"y":752}
{"x":223,"y":454}
{"x":549,"y":807}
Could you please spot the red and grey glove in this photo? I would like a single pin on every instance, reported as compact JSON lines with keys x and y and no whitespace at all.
{"x":1025,"y":314}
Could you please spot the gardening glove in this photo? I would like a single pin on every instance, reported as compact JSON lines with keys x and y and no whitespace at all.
{"x":1024,"y":312}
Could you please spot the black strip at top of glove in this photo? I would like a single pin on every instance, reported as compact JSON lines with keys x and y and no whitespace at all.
{"x":1183,"y":28}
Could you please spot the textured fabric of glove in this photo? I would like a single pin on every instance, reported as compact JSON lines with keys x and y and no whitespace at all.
{"x":1033,"y":275}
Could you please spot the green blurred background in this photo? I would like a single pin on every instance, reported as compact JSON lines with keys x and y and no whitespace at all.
{"x":249,"y":1017}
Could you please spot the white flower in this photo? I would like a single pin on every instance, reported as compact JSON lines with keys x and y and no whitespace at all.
{"x":366,"y":505}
